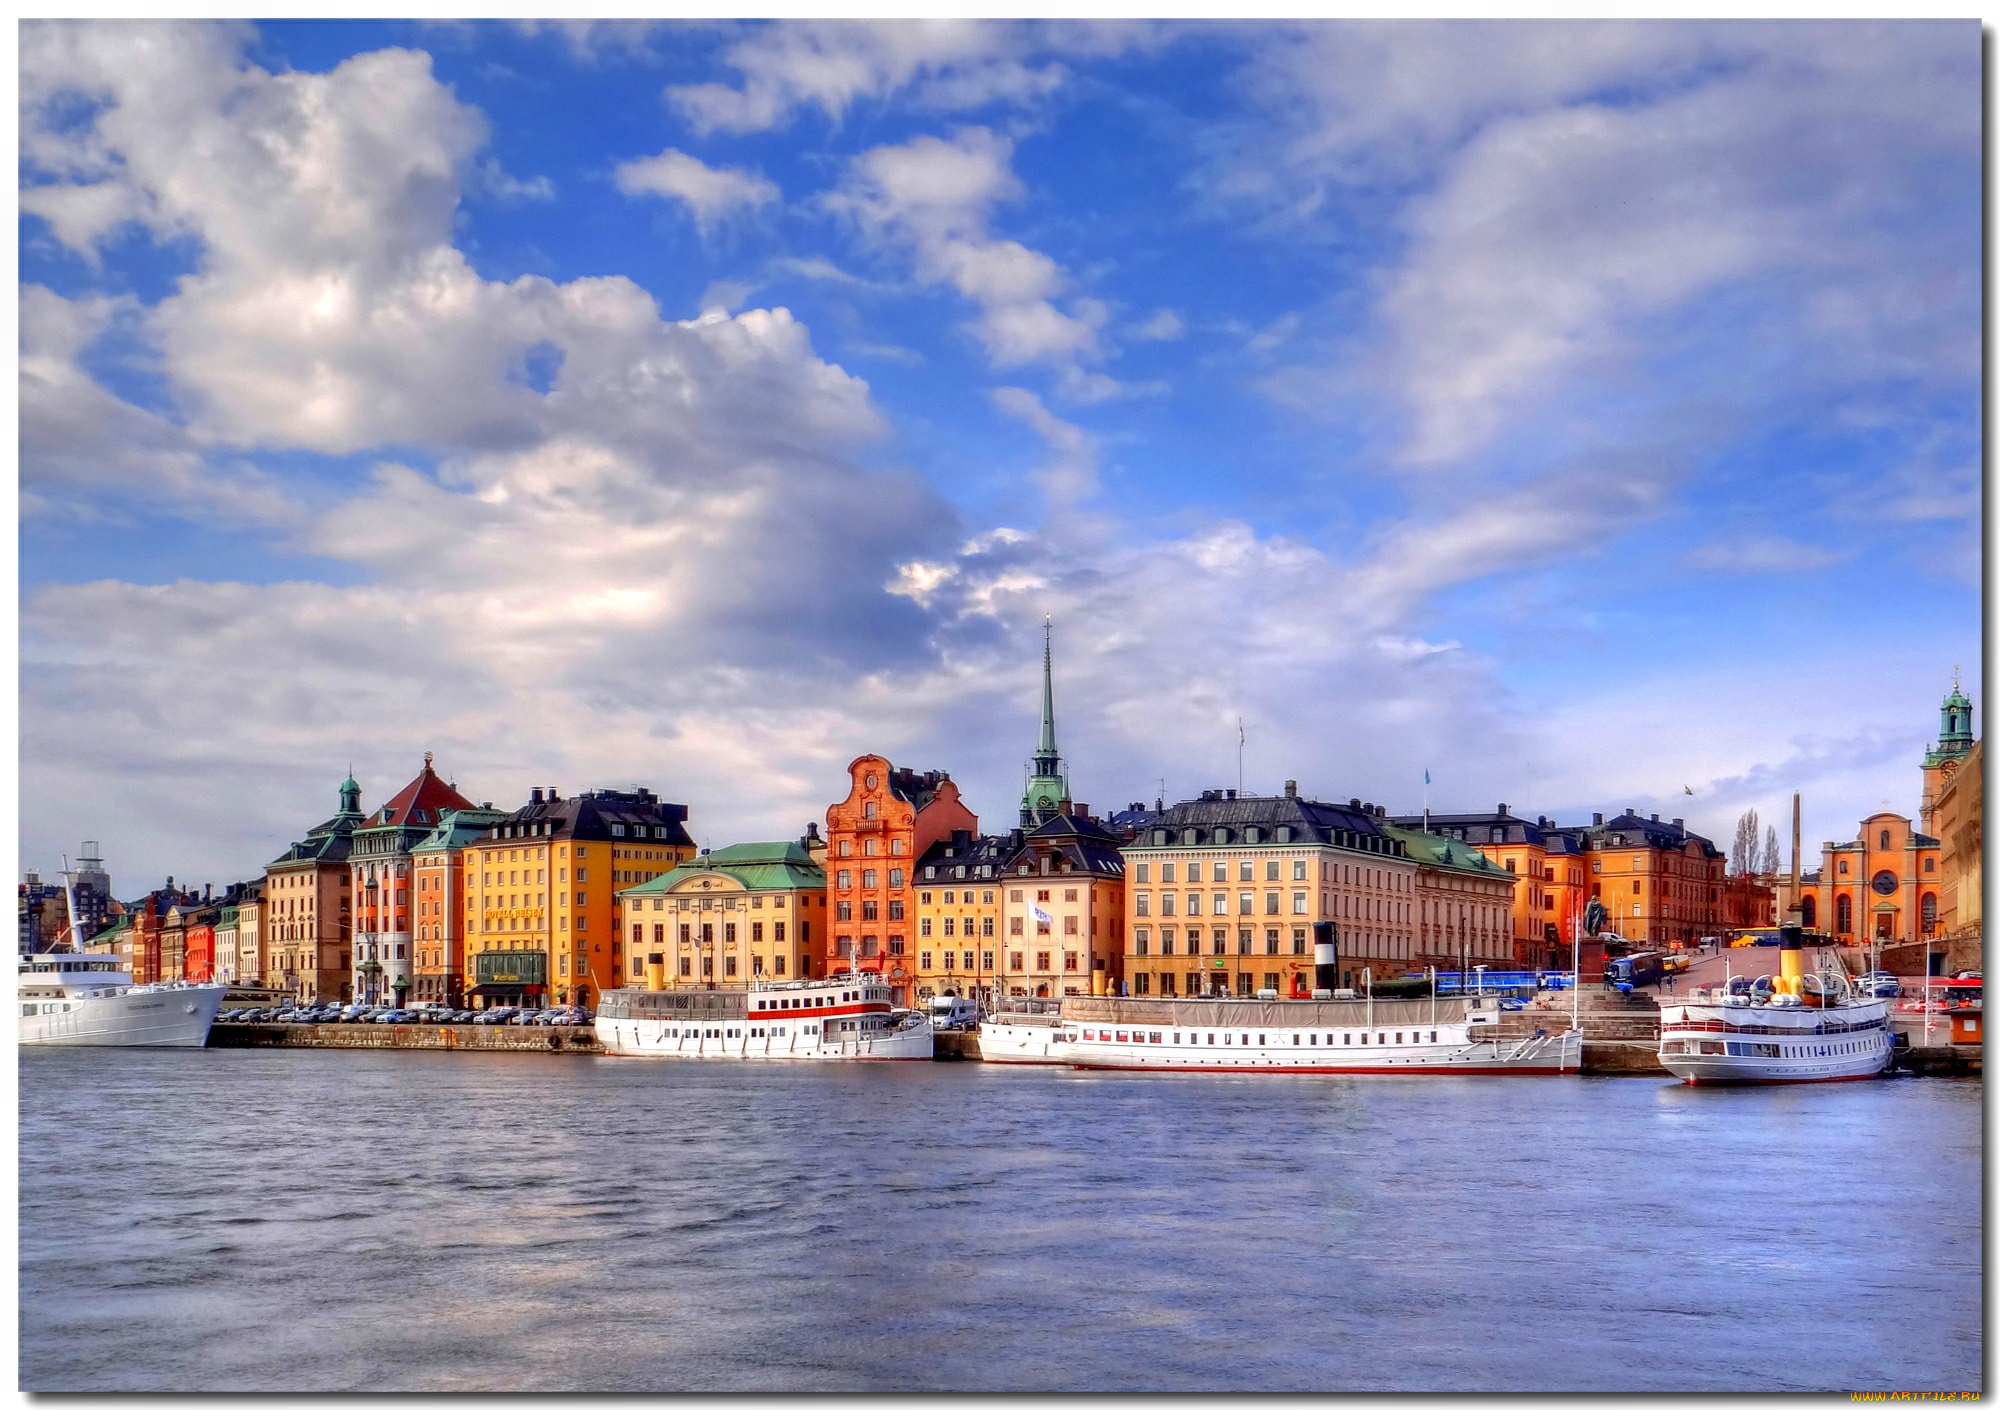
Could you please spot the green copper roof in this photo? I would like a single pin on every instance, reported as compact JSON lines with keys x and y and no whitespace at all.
{"x":757,"y":866}
{"x":1435,"y":849}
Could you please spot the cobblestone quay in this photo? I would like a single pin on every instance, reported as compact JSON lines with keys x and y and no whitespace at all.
{"x":447,"y":1037}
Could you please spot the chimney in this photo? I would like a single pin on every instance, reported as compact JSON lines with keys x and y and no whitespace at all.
{"x":1503,"y":810}
{"x":1597,"y":820}
{"x":1291,"y":788}
{"x":1656,"y":817}
{"x":1681,"y":824}
{"x":534,"y":795}
{"x":1229,"y":793}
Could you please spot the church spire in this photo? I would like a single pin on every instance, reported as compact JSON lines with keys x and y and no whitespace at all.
{"x":1047,"y":789}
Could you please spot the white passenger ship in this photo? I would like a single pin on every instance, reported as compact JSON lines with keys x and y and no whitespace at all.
{"x":841,"y":1018}
{"x":1306,"y":1035}
{"x":1813,"y":1029}
{"x":72,"y":1000}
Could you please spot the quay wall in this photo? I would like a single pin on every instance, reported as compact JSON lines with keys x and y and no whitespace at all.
{"x":439,"y":1037}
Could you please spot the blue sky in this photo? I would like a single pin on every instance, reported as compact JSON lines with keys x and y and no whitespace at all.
{"x":1584,"y":412}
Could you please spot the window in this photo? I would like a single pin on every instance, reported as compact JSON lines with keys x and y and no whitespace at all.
{"x":1144,"y":874}
{"x":1069,"y":894}
{"x":1298,"y":869}
{"x":895,"y":909}
{"x":1271,"y":870}
{"x":895,"y":944}
{"x":1930,"y":863}
{"x":1885,"y":839}
{"x":1270,"y":942}
{"x":1270,"y":903}
{"x":867,"y":810}
{"x":1246,"y":903}
{"x":986,"y":926}
{"x":895,"y":878}
{"x":1013,"y":925}
{"x":1243,"y":870}
{"x":1140,"y":938}
{"x":1041,"y":959}
{"x":1242,"y":942}
{"x":923,"y":959}
{"x":870,"y":910}
{"x":868,"y":878}
{"x":1015,"y":960}
{"x":923,"y":930}
{"x":1166,"y":873}
{"x":1142,"y":984}
{"x":842,"y":910}
{"x":1141,"y":903}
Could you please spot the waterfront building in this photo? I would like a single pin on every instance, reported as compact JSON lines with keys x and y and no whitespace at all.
{"x":148,"y":917}
{"x":1466,"y":911}
{"x":874,"y":836}
{"x":250,"y":934}
{"x":959,"y":881}
{"x":234,"y":963}
{"x":541,"y":909}
{"x":1222,"y":890}
{"x":1660,"y":883}
{"x":726,"y":918}
{"x":1749,"y":902}
{"x":90,"y":884}
{"x":309,"y":908}
{"x":1953,"y":811}
{"x":437,"y":875}
{"x":1063,"y":906}
{"x":38,"y":900}
{"x":1541,"y":855}
{"x":383,"y":964}
{"x":1881,"y":888}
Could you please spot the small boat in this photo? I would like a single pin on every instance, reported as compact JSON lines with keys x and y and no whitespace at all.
{"x":843,"y":1017}
{"x":87,"y":1001}
{"x":1809,"y":1028}
{"x":1026,"y":1031}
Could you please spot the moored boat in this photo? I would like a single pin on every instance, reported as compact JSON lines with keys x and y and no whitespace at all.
{"x":1354,"y":1036}
{"x":71,"y":1000}
{"x":1023,"y":1031}
{"x":1811,"y":1028}
{"x":840,"y":1018}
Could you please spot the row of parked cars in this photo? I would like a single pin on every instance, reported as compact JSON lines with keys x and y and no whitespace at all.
{"x":567,"y":1016}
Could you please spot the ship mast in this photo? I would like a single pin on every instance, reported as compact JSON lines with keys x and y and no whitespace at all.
{"x":68,"y":874}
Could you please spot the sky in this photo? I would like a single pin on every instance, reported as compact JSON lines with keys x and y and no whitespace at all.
{"x":1586,"y":414}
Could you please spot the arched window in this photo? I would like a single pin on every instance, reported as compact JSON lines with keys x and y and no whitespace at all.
{"x":1809,"y":911}
{"x":1929,"y":911}
{"x":1843,"y":915}
{"x":1885,"y":839}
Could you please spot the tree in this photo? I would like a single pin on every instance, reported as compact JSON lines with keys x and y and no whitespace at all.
{"x":1743,"y":852}
{"x":1771,"y":859}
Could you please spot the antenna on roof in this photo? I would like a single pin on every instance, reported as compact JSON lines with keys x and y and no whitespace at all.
{"x":1239,"y":756}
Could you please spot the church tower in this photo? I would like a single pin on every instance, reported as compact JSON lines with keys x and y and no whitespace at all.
{"x":1047,"y":789}
{"x":1955,"y":741}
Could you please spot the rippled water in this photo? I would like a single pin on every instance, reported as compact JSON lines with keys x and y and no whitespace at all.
{"x":241,"y":1219}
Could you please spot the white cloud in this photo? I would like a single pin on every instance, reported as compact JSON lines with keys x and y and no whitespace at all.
{"x":936,"y":198}
{"x":1070,"y":477}
{"x":711,"y":193}
{"x":833,"y":65}
{"x":1163,"y":327}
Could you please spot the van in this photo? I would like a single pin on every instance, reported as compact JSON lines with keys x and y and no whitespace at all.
{"x":950,"y":1011}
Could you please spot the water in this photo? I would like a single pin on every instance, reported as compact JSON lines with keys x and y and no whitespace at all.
{"x":258,"y":1220}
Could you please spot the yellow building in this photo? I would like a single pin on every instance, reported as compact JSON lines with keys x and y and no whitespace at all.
{"x":727,"y":918}
{"x":959,"y":884}
{"x":1466,"y":913}
{"x":541,"y":892}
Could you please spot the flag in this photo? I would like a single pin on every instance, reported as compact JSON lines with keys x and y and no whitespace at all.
{"x":1042,"y":917}
{"x":1427,"y":778}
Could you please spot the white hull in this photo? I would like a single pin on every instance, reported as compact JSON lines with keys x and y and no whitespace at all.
{"x":646,"y":1037}
{"x":150,"y":1016}
{"x":1746,"y":1045}
{"x":1024,"y":1041}
{"x":1148,"y":1048}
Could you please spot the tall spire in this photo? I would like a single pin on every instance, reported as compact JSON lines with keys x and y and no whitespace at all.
{"x":1045,"y":752}
{"x":1047,"y":789}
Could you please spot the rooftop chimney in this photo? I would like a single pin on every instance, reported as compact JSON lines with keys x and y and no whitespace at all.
{"x":1656,"y":817}
{"x":1291,"y":788}
{"x":1681,"y":824}
{"x":534,"y":795}
{"x":1503,"y":810}
{"x":1597,"y":820}
{"x":1228,"y":793}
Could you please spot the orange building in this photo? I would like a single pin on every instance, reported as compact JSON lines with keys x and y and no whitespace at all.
{"x":1063,"y":908}
{"x":1880,"y":888}
{"x":874,"y":836}
{"x":437,"y":866}
{"x":1465,"y":900}
{"x":309,"y":908}
{"x":541,"y":892}
{"x":1953,"y":811}
{"x":1661,"y":884}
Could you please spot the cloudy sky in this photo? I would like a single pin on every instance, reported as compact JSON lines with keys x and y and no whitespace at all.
{"x":1585,"y":413}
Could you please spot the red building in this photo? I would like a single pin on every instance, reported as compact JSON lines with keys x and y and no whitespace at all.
{"x":874,"y":836}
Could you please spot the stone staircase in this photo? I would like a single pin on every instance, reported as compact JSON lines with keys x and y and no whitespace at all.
{"x":1606,"y":1017}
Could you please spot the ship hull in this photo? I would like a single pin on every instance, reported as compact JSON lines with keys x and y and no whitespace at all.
{"x":164,"y":1016}
{"x":1022,"y":1044}
{"x":651,"y":1038}
{"x":1733,"y":1045}
{"x":1551,"y":1056}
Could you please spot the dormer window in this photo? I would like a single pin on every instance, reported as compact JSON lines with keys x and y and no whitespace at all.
{"x":1252,"y":834}
{"x":930,"y":873}
{"x":1221,"y":836}
{"x":867,"y":810}
{"x":389,"y":815}
{"x":1284,"y":834}
{"x":618,"y":829}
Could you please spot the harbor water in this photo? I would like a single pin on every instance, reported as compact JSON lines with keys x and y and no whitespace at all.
{"x":349,"y":1221}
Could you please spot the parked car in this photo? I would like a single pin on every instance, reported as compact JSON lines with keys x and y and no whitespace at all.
{"x":1879,"y":985}
{"x":490,"y":1016}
